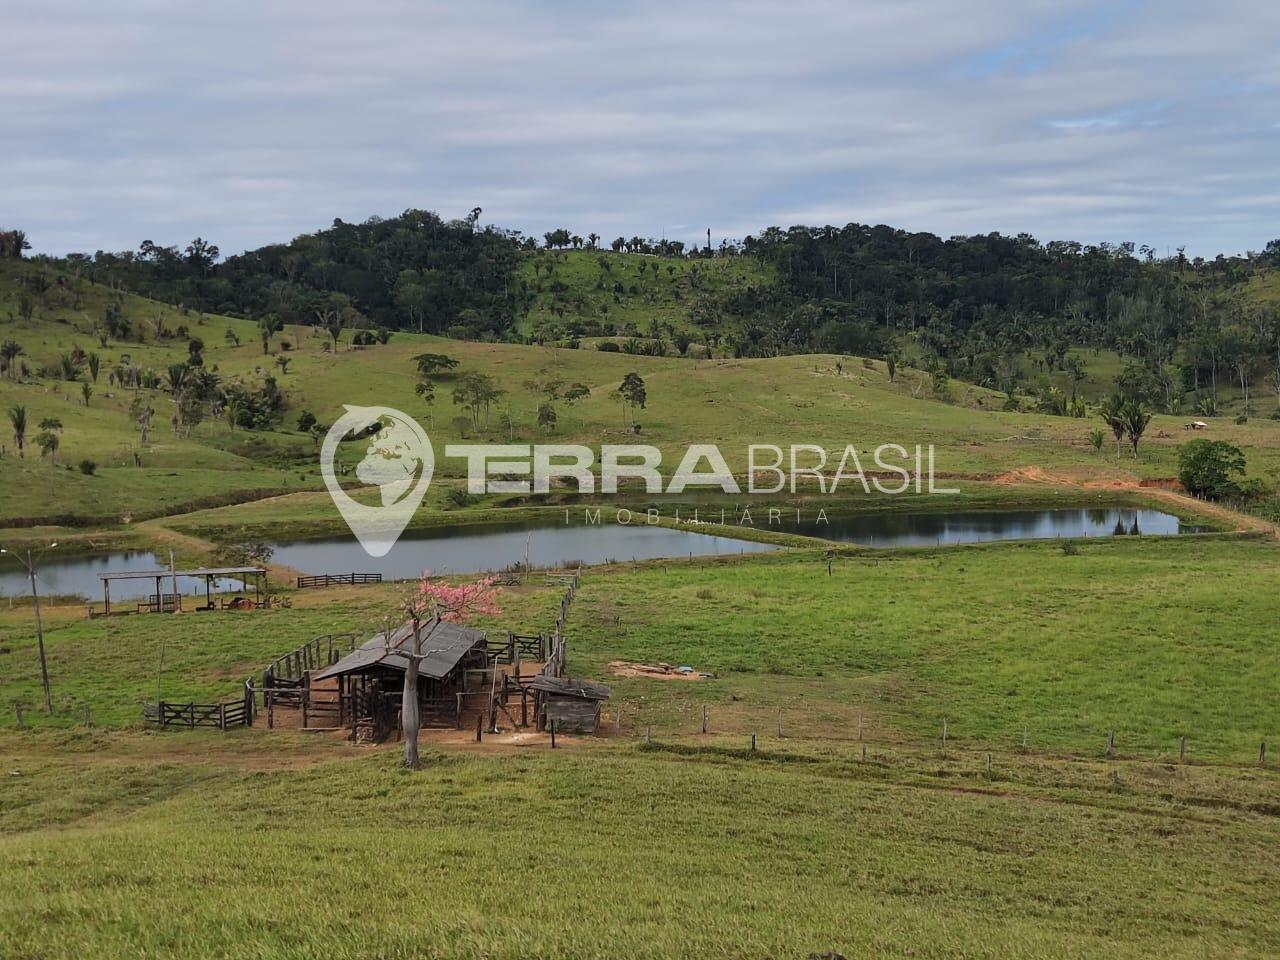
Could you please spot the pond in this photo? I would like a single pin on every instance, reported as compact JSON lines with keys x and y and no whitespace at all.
{"x":930,"y":529}
{"x":77,"y":575}
{"x":471,"y":548}
{"x":475,"y":548}
{"x":492,"y":547}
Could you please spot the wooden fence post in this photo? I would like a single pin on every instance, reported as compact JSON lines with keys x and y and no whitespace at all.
{"x":779,"y":723}
{"x":704,"y":718}
{"x":1024,"y":736}
{"x":1182,"y":749}
{"x":222,"y":716}
{"x":459,"y":711}
{"x":988,"y":763}
{"x":944,"y":734}
{"x":859,"y":728}
{"x":553,"y":734}
{"x":1111,"y":744}
{"x":86,"y":715}
{"x":753,"y":743}
{"x":1262,"y":754}
{"x":648,"y":734}
{"x":17,"y":709}
{"x":479,"y":727}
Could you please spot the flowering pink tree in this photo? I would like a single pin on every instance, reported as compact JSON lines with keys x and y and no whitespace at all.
{"x":428,"y":604}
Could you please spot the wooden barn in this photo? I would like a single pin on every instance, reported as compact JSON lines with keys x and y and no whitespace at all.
{"x":573,"y":705}
{"x":370,"y":679}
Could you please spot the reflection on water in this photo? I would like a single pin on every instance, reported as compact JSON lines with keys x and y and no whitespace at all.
{"x":78,"y":576}
{"x":551,"y":543}
{"x":925,"y":529}
{"x":492,"y":547}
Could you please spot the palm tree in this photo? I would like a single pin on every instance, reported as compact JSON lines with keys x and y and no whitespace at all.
{"x":266,"y":327}
{"x":48,"y":437}
{"x":1136,"y":417}
{"x":177,"y":376}
{"x":18,"y":418}
{"x":1112,"y":413}
{"x":9,"y":352}
{"x":333,"y":325}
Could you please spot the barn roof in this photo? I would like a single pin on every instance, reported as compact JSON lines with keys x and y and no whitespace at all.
{"x":445,"y":646}
{"x":568,"y":687}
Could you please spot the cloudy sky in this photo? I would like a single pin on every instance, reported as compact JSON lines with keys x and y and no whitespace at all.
{"x":249,"y":123}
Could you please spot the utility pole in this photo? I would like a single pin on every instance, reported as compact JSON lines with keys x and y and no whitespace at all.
{"x":44,"y":665}
{"x":35,"y":601}
{"x":173,"y":575}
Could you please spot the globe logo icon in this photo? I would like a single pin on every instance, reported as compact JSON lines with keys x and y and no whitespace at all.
{"x":393,"y":460}
{"x":398,"y":460}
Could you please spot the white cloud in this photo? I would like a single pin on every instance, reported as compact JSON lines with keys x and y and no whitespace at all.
{"x":247,"y":123}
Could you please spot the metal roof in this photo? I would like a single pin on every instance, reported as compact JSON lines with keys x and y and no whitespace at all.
{"x":201,"y":572}
{"x":444,"y":646}
{"x":568,"y":687}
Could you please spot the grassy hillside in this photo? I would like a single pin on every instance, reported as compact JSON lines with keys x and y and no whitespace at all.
{"x":678,"y":850}
{"x":600,"y":293}
{"x":180,"y":843}
{"x":828,"y":400}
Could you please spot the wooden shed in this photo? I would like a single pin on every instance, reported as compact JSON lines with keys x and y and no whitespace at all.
{"x":370,"y":679}
{"x":573,"y":705}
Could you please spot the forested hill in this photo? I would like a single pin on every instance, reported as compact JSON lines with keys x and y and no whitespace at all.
{"x":415,"y":271}
{"x":970,"y":307}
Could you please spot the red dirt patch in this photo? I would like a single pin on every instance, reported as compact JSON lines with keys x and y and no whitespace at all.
{"x":653,"y":671}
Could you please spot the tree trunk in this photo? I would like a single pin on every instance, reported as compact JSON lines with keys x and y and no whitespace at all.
{"x":409,"y":717}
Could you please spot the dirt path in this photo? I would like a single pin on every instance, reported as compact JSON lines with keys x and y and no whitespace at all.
{"x":1241,"y":522}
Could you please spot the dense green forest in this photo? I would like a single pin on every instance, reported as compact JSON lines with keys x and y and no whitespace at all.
{"x":1009,"y":313}
{"x":974,"y":305}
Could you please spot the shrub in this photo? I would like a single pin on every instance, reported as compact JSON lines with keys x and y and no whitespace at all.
{"x":1209,"y":468}
{"x":460,"y":497}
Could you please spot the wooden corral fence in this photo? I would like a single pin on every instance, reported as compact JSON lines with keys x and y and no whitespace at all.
{"x":224,"y":716}
{"x":291,"y":669}
{"x":338,"y":579}
{"x":374,"y":713}
{"x":519,"y":647}
{"x":554,"y":667}
{"x":549,"y":651}
{"x":571,"y":588}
